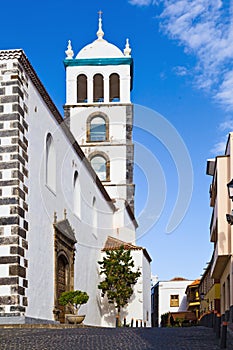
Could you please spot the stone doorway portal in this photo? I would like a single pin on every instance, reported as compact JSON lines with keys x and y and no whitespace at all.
{"x":64,"y":245}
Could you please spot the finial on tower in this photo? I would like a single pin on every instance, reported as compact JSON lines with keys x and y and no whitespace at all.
{"x":69,"y":52}
{"x":100,"y":32}
{"x":127,"y":49}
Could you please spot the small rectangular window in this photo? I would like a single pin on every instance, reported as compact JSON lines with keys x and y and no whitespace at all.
{"x":174,"y":300}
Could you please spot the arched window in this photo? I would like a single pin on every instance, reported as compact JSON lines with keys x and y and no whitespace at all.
{"x":82,"y":88}
{"x":77,"y":195}
{"x":97,"y":129}
{"x":98,"y":88}
{"x":101,"y":165}
{"x":114,"y":87}
{"x":50,"y":163}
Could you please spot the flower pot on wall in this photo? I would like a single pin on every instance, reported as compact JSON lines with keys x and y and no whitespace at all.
{"x":74,"y":319}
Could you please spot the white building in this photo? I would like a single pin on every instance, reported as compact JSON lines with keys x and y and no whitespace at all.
{"x":55,"y":214}
{"x":169,"y":296}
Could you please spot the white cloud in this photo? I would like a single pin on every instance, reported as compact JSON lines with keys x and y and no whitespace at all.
{"x":227,"y":125}
{"x":143,"y":2}
{"x":225,"y":91}
{"x":205,"y":29}
{"x":219,"y":147}
{"x":180,"y":71}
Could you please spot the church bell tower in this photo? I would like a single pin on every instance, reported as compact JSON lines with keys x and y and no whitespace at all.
{"x":99,"y":112}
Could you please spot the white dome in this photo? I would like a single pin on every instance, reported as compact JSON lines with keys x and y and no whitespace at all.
{"x":100,"y":48}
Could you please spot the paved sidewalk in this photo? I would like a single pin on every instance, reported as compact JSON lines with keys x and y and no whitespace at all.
{"x":190,"y":338}
{"x":230,"y":336}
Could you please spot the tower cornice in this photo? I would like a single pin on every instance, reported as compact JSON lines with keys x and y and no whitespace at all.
{"x":98,"y":61}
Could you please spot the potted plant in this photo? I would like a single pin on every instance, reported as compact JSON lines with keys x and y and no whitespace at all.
{"x":73,"y":300}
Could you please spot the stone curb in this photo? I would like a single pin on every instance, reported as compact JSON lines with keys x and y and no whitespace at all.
{"x":43,"y":326}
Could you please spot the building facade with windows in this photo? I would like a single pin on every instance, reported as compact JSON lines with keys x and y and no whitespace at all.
{"x":168,"y":297}
{"x":209,"y":292}
{"x":193,"y":298}
{"x":56,"y":214}
{"x":221,"y":171}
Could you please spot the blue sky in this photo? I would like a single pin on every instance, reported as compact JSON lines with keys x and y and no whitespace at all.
{"x":182,"y":51}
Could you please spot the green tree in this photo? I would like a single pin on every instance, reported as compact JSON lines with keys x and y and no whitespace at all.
{"x":73,"y":299}
{"x":119,"y":277}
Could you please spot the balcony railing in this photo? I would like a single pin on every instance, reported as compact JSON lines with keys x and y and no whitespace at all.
{"x":219,"y":263}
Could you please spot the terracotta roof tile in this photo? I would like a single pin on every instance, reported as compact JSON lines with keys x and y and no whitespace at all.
{"x":196,"y":282}
{"x":179,"y":279}
{"x":113,"y":243}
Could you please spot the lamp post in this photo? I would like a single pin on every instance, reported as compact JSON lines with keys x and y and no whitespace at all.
{"x":202,"y":296}
{"x":230,"y":189}
{"x":229,"y":217}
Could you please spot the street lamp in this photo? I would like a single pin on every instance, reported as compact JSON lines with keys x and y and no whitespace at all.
{"x":202,"y":297}
{"x":230,"y":194}
{"x":229,"y":219}
{"x":230,"y":189}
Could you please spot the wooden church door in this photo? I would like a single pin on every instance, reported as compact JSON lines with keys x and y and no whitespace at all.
{"x":64,"y":249}
{"x":62,"y":272}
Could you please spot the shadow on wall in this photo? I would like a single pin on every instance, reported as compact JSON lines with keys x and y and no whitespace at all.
{"x":183,"y":304}
{"x":109,"y":312}
{"x":222,"y":242}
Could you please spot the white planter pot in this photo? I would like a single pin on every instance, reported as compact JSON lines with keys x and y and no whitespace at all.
{"x":74,"y":319}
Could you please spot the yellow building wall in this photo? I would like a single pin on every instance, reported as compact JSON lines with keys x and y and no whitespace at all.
{"x":214,"y":292}
{"x":208,"y":303}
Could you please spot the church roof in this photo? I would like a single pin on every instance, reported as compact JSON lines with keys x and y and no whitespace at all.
{"x":113,"y":243}
{"x":100,"y":48}
{"x":20,"y":55}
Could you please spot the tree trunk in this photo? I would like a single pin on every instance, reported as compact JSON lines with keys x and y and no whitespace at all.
{"x":118,"y":316}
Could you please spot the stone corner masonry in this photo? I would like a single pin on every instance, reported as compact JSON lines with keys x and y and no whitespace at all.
{"x":13,"y":189}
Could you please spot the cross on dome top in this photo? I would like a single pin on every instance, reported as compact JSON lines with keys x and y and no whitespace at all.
{"x":100,"y":32}
{"x":99,"y":48}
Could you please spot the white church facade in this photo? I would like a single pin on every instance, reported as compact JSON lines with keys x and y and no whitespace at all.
{"x":57,"y":217}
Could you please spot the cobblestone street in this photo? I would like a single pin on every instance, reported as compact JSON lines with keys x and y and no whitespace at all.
{"x":193,"y":338}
